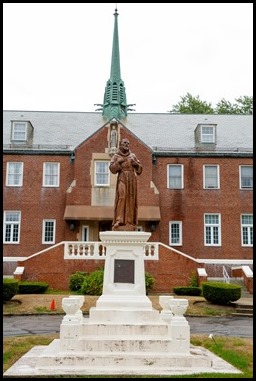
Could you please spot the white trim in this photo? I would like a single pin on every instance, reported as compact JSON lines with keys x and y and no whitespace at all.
{"x":179,"y":223}
{"x":213,"y":225}
{"x":240,"y":177}
{"x":104,"y":173}
{"x":218,"y":176}
{"x":53,"y":233}
{"x":20,"y":174}
{"x":85,"y":227}
{"x":182,"y":175}
{"x":58,"y":175}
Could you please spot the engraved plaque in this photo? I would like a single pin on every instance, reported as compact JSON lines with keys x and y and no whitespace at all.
{"x":124,"y":271}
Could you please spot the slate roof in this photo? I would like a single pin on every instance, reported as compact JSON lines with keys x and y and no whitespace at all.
{"x":159,"y":131}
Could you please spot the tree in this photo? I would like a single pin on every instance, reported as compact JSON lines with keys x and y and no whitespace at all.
{"x":244,"y":106}
{"x":192,"y":105}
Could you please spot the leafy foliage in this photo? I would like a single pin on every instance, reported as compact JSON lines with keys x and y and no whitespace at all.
{"x":220,"y":292}
{"x":190,"y":290}
{"x":10,"y":288}
{"x":76,"y":280}
{"x":92,"y":284}
{"x":193,"y":105}
{"x":28,"y":287}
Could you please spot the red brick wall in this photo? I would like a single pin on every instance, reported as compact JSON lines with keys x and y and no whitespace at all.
{"x":36,"y":202}
{"x":169,"y":271}
{"x":189,"y":205}
{"x":51,"y":267}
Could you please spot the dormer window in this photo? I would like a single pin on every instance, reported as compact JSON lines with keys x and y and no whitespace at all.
{"x":19,"y":131}
{"x":205,"y":135}
{"x":22,"y":133}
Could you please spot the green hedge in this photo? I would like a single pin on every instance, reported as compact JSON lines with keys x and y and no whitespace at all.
{"x":29,"y":287}
{"x":10,"y":288}
{"x":188,"y":290}
{"x":221,"y":292}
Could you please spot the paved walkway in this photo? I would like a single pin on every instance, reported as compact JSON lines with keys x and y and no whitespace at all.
{"x":235,"y":326}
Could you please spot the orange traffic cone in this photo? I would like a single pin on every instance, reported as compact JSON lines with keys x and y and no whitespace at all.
{"x":52,"y":305}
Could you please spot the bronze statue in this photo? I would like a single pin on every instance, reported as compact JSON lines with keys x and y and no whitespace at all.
{"x":127,"y":166}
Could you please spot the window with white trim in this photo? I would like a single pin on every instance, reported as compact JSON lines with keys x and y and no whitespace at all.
{"x":49,"y":227}
{"x":246,"y":176}
{"x":101,"y":173}
{"x":51,"y":174}
{"x":247,"y":229}
{"x":12,"y":220}
{"x":175,"y":176}
{"x":14,"y":174}
{"x":19,"y":131}
{"x":175,"y":233}
{"x":211,"y":176}
{"x":208,"y":134}
{"x":212,"y":232}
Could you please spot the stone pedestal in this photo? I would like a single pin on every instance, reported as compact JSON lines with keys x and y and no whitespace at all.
{"x":124,"y":294}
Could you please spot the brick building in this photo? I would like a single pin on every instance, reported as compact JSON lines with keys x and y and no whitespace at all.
{"x":194,"y":195}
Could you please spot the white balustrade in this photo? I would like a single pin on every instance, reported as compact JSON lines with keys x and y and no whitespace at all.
{"x":96,"y":250}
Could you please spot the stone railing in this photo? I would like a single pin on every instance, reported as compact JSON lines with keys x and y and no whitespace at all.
{"x":96,"y":250}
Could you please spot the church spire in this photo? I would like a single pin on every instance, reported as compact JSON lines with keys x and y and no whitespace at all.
{"x":114,"y":103}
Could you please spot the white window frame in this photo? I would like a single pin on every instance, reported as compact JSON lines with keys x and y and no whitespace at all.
{"x":17,"y":133}
{"x":51,"y":175}
{"x":240,"y":177}
{"x":169,"y":166}
{"x":53,"y":222}
{"x":217,"y":176}
{"x":246,"y":230}
{"x":97,"y":173}
{"x":206,"y":135}
{"x":12,"y":175}
{"x":179,"y":223}
{"x":85,"y":228}
{"x":13,"y":225}
{"x":213,"y":226}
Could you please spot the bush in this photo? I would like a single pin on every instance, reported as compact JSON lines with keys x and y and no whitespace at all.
{"x":220,"y":292}
{"x":93,"y":283}
{"x":29,"y":287}
{"x":10,"y":288}
{"x":149,"y":281}
{"x":76,"y":280}
{"x":189,"y":290}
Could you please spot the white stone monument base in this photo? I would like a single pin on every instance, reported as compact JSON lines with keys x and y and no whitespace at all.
{"x":48,"y":361}
{"x":123,"y":335}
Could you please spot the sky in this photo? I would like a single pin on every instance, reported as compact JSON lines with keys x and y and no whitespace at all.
{"x":57,"y":56}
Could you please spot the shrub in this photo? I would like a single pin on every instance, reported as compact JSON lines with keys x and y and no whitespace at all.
{"x":193,"y":280}
{"x":93,"y":283}
{"x":29,"y":287}
{"x":76,"y":280}
{"x":10,"y":288}
{"x":149,"y":281}
{"x":189,"y":290}
{"x":220,"y":292}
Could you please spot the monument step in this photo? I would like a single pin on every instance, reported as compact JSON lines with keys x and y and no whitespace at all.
{"x":122,"y":330}
{"x":145,"y":344}
{"x":53,"y":358}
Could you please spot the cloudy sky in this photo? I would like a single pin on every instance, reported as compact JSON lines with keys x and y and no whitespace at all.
{"x":56,"y":57}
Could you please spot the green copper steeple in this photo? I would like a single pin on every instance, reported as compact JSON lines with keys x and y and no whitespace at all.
{"x":114,"y":104}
